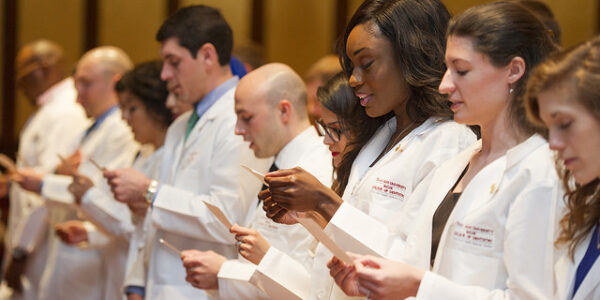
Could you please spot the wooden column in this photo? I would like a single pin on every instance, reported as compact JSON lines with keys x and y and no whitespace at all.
{"x":90,"y":21}
{"x":9,"y":141}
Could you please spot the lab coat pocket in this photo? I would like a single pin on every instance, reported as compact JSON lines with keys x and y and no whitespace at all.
{"x":469,"y":268}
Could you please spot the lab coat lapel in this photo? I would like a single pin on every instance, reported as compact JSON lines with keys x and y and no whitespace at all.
{"x":591,"y":280}
{"x":447,"y":174}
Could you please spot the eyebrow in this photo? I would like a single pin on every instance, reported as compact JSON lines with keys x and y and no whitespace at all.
{"x":359,"y":50}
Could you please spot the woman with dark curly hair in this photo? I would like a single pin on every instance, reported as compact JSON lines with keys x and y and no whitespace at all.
{"x":563,"y":96}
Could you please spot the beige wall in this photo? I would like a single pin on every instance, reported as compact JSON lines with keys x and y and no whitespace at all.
{"x":57,"y":20}
{"x":131,"y":25}
{"x":238,"y":14}
{"x":299,"y":32}
{"x":577,"y":23}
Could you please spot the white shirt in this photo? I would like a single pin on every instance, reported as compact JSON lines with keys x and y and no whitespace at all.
{"x":308,"y":152}
{"x":73,"y":272}
{"x":403,"y":168}
{"x":498,"y":240}
{"x":57,"y":121}
{"x":205,"y":167}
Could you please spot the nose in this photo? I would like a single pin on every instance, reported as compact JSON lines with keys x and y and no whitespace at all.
{"x":327,"y":140}
{"x":356,"y":78}
{"x":446,"y":86}
{"x":239,"y":129}
{"x":555,"y":141}
{"x":165,"y":72}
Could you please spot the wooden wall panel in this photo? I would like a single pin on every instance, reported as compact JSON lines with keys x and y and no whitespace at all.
{"x":57,"y":20}
{"x":238,"y":14}
{"x":298,"y":32}
{"x":131,"y":25}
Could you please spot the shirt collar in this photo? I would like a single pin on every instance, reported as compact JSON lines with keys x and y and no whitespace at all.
{"x":289,"y":155}
{"x":214,"y":95}
{"x":48,"y":95}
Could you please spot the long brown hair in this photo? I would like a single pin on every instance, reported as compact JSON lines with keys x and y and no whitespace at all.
{"x":580,"y":67}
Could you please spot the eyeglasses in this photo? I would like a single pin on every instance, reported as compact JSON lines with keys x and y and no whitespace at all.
{"x":333,"y":133}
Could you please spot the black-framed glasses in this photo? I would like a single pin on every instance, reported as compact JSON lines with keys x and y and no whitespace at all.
{"x":333,"y":133}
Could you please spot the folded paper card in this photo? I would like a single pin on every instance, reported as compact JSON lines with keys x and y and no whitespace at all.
{"x":320,"y":235}
{"x":258,"y":175}
{"x":219,"y":214}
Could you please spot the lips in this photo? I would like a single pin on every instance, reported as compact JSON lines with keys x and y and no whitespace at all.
{"x":364,"y":98}
{"x":456,"y":105}
{"x":568,"y":161}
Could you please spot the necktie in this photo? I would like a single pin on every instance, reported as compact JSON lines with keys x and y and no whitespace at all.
{"x":273,"y":168}
{"x":88,"y":131}
{"x":191,"y":123}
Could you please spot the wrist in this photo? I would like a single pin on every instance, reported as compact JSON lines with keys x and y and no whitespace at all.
{"x":328,"y":204}
{"x":151,"y":190}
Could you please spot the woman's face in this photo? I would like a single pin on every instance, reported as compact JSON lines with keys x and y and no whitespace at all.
{"x":338,"y":149}
{"x":478,"y":90}
{"x":135,"y":114}
{"x":376,"y":79}
{"x":574,"y":131}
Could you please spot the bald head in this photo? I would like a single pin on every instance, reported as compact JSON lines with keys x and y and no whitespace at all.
{"x":39,"y":65}
{"x":97,"y":73}
{"x":277,"y":82}
{"x":111,"y":60}
{"x":270,"y":103}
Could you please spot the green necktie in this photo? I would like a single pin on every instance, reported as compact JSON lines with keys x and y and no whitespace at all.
{"x":191,"y":123}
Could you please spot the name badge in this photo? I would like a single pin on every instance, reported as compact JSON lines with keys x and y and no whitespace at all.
{"x":388,"y":188}
{"x":475,"y":235}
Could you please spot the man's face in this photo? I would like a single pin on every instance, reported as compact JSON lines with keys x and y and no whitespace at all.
{"x":257,"y":121}
{"x":94,"y":87}
{"x":184,"y":74}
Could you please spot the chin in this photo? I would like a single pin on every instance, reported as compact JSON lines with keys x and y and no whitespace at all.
{"x":582,"y":179}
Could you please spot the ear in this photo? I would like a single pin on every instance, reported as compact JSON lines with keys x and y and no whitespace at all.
{"x":115,"y":78}
{"x":285,"y":110}
{"x":516,"y":69}
{"x":208,"y":55}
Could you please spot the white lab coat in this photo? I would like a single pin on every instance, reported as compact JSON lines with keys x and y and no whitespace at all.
{"x":205,"y":167}
{"x":72,"y":272}
{"x":308,"y":152}
{"x":138,"y":255}
{"x":110,"y":227}
{"x":565,"y":269}
{"x":57,"y":121}
{"x":381,"y":190}
{"x":498,"y":240}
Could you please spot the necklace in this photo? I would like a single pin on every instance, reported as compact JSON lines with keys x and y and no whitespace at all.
{"x":399,"y":137}
{"x":393,"y":141}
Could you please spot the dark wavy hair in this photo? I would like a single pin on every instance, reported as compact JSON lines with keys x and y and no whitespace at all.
{"x":338,"y":96}
{"x":416,"y":30}
{"x":579,"y":68}
{"x":196,"y":25}
{"x":145,"y":83}
{"x":504,"y":30}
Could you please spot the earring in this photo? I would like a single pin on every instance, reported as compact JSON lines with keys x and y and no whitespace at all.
{"x":511,"y":90}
